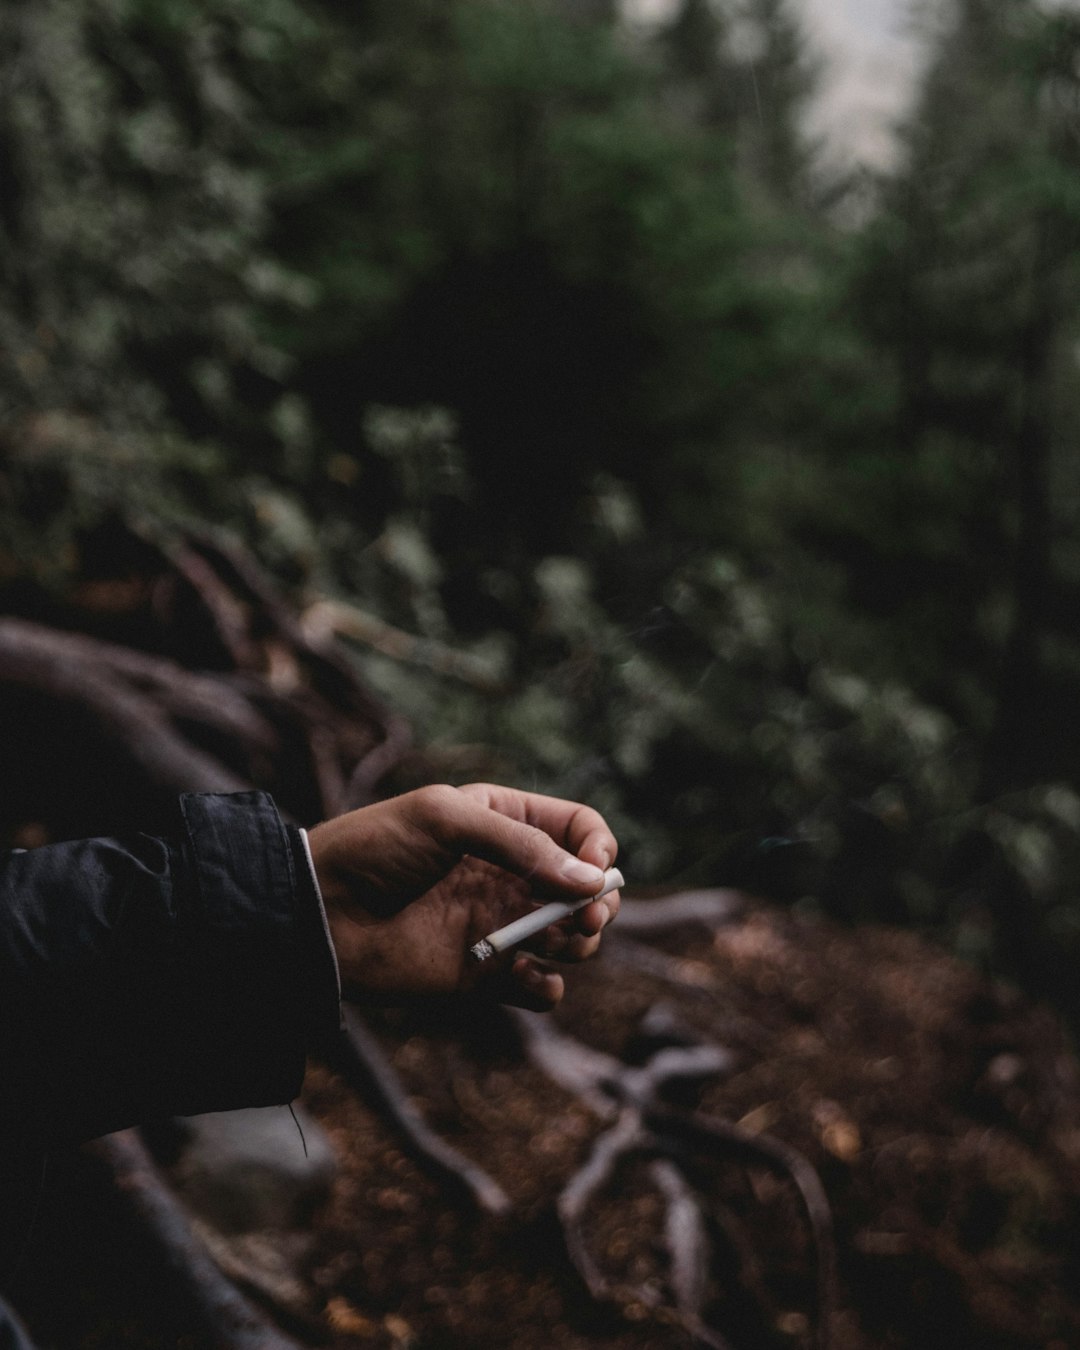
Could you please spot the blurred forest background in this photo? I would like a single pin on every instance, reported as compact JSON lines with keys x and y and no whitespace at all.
{"x":645,"y":457}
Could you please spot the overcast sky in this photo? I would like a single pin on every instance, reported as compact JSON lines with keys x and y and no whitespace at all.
{"x":872,"y":52}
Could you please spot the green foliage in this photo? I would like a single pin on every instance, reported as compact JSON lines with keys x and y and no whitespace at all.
{"x":535,"y":339}
{"x":968,"y":287}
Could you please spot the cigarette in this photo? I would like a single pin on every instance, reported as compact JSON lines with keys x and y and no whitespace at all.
{"x":540,"y":918}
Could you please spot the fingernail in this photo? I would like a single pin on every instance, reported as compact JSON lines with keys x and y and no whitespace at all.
{"x":576,"y":870}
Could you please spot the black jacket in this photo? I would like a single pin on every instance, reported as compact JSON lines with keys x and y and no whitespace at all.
{"x":143,"y":977}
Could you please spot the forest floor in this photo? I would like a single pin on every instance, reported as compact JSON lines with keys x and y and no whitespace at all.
{"x":940,"y":1111}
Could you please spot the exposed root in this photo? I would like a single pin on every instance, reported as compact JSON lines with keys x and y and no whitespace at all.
{"x":710,"y":908}
{"x":229,"y":1321}
{"x":71,"y":670}
{"x":366,"y":1068}
{"x":645,"y":1123}
{"x":625,"y":1137}
{"x":270,"y":708}
{"x":343,"y":620}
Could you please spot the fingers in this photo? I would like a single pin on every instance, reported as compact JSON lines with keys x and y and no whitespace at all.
{"x":500,"y":825}
{"x":532,"y":987}
{"x":576,"y":938}
{"x":598,"y":915}
{"x":578,"y":828}
{"x":525,"y":983}
{"x":529,"y":984}
{"x":566,"y":947}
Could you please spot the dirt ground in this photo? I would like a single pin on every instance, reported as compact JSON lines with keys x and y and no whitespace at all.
{"x":940,"y":1111}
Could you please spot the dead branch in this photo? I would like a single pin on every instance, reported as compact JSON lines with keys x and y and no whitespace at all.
{"x":335,"y":617}
{"x":229,"y":618}
{"x":328,"y":669}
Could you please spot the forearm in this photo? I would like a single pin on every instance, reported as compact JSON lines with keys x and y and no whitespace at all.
{"x":142,"y":977}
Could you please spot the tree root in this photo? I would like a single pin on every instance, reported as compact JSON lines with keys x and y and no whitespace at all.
{"x":722,"y":1137}
{"x":229,"y":1321}
{"x":69,"y":669}
{"x":644,"y":1124}
{"x":709,"y":907}
{"x":271,"y":707}
{"x":373,"y":739}
{"x":362,"y":1063}
{"x":638,"y":1121}
{"x":326,"y":617}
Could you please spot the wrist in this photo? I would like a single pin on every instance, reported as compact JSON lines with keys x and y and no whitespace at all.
{"x":333,"y":849}
{"x":357,"y":940}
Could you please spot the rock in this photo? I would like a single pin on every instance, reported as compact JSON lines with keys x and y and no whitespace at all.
{"x":246,"y":1170}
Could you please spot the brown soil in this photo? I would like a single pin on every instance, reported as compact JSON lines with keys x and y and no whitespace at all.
{"x":941,"y":1111}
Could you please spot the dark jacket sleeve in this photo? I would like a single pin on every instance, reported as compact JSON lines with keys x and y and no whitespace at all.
{"x":143,"y":977}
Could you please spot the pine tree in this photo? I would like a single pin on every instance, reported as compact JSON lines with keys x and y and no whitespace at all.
{"x":742,"y":71}
{"x":971,"y":286}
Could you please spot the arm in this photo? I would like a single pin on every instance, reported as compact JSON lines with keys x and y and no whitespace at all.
{"x":143,"y":977}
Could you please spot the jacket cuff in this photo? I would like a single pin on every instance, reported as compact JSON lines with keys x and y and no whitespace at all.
{"x":261,"y":963}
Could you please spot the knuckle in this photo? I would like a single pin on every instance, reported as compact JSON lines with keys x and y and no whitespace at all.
{"x":434,"y":803}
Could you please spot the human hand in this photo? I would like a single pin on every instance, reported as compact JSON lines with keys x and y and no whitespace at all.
{"x":411,"y":883}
